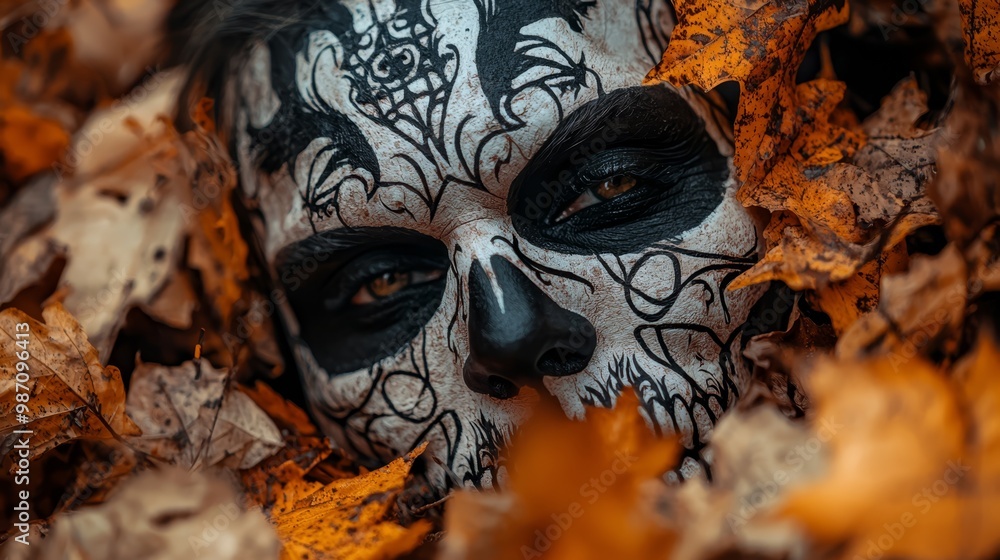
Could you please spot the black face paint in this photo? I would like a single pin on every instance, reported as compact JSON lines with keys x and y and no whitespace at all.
{"x":522,"y":339}
{"x":505,"y":52}
{"x":648,"y":134}
{"x":322,"y":274}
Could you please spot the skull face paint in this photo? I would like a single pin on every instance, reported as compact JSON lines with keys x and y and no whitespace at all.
{"x":465,"y":198}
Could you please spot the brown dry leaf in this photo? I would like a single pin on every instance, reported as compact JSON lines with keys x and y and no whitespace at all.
{"x":967,"y":187}
{"x":781,"y":357}
{"x":127,"y":191}
{"x":192,"y":416}
{"x":822,"y":181}
{"x":101,"y":467}
{"x":304,"y":447}
{"x":914,"y":459}
{"x":29,"y":142}
{"x":809,"y":180}
{"x":843,"y":193}
{"x":87,"y":51}
{"x":159,"y":515}
{"x":919,"y":312}
{"x":29,"y":208}
{"x":577,"y":490}
{"x":118,"y":40}
{"x":760,"y":44}
{"x":285,"y":413}
{"x":217,"y":247}
{"x":346,"y":518}
{"x":981,"y":35}
{"x":804,"y":260}
{"x":847,"y":301}
{"x":71,"y":394}
{"x":899,"y":156}
{"x":758,"y":457}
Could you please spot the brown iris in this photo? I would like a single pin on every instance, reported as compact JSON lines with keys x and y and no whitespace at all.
{"x":605,"y":190}
{"x":388,"y":284}
{"x":615,"y":186}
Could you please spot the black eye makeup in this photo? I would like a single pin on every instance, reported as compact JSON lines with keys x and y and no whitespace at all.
{"x":361,"y":294}
{"x":621,"y":173}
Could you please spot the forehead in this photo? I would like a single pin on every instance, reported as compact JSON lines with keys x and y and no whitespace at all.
{"x":419,"y":112}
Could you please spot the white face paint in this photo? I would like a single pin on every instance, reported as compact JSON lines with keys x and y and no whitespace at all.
{"x":467,"y":197}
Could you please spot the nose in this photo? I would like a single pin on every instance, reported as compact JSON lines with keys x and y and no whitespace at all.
{"x":525,"y":338}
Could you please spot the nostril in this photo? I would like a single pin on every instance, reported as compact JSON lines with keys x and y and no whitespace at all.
{"x":501,"y":388}
{"x":562,"y":361}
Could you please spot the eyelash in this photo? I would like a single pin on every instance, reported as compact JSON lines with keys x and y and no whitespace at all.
{"x":609,"y":166}
{"x":343,"y":287}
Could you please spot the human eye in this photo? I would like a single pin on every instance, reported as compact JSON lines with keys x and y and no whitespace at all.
{"x":619,"y":177}
{"x":370,"y":297}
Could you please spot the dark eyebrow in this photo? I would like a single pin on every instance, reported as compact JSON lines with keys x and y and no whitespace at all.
{"x":638,"y":111}
{"x":647,"y":116}
{"x":339,"y":245}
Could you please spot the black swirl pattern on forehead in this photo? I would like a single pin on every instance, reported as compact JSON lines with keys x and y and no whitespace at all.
{"x":402,"y":78}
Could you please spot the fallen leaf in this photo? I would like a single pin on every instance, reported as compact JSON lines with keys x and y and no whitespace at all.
{"x":781,"y":357}
{"x":967,"y":186}
{"x":577,"y":490}
{"x":902,"y":330}
{"x":159,"y":515}
{"x":102,"y":466}
{"x":192,"y":416}
{"x":126,"y":232}
{"x":217,"y":248}
{"x":304,"y":448}
{"x":900,"y":157}
{"x":29,"y":142}
{"x":759,"y":457}
{"x":844,"y":195}
{"x":346,"y":518}
{"x":71,"y":395}
{"x":916,"y":449}
{"x":981,"y":35}
{"x":758,"y":43}
{"x":847,"y":301}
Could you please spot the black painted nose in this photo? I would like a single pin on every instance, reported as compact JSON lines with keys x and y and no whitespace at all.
{"x":531,"y":337}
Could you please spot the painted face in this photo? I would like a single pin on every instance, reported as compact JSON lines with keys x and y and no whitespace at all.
{"x":473,"y":203}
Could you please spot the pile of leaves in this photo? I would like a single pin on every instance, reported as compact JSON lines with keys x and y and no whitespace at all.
{"x":872,"y":428}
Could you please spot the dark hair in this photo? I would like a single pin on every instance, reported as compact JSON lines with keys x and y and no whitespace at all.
{"x":212,"y":37}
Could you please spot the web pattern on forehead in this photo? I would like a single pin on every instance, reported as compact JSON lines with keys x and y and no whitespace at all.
{"x":402,"y":74}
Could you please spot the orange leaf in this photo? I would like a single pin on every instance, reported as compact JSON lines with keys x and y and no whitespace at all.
{"x":29,"y":142}
{"x":576,"y":491}
{"x":981,"y":35}
{"x":918,"y":453}
{"x":760,"y":44}
{"x":345,"y":519}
